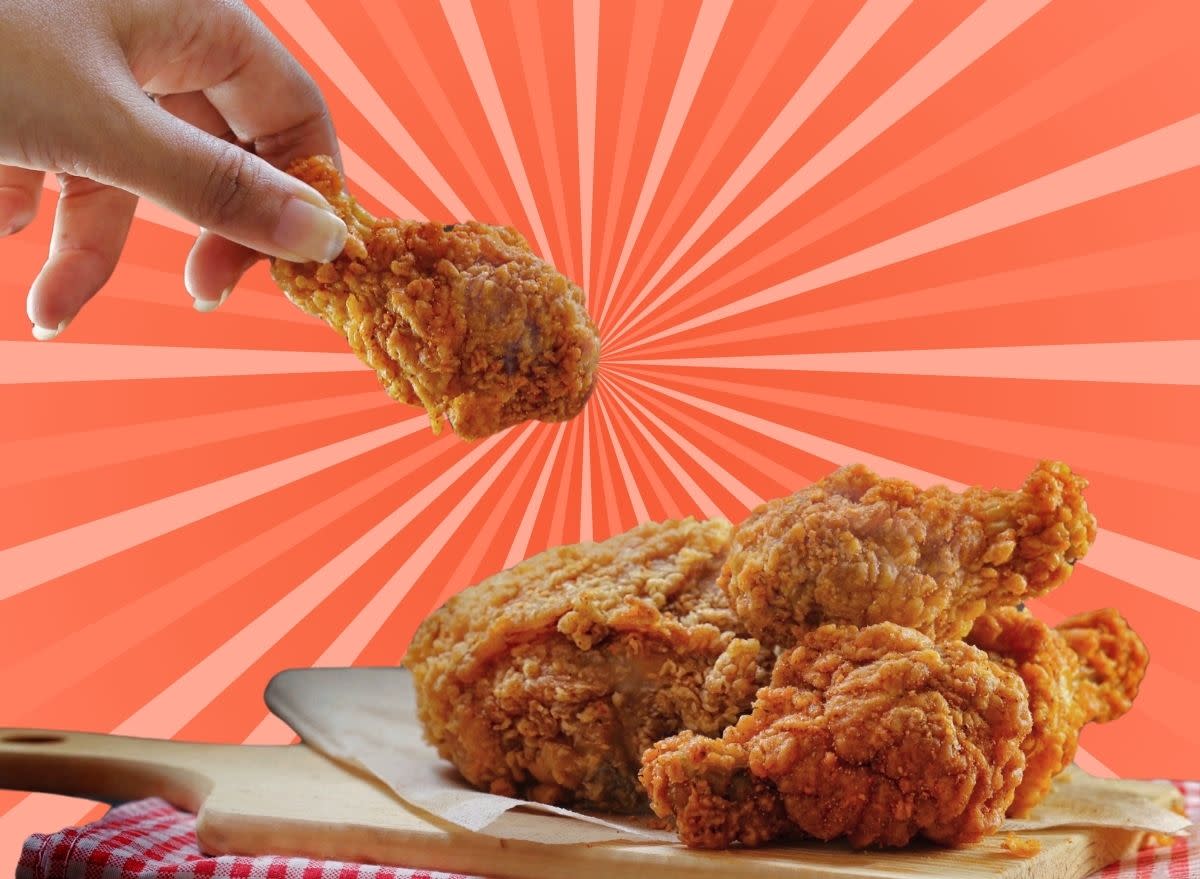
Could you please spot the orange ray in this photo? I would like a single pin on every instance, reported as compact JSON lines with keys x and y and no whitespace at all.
{"x":38,"y":561}
{"x":979,"y":32}
{"x":869,"y":24}
{"x":470,"y":42}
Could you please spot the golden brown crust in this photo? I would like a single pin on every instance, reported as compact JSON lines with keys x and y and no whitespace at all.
{"x":877,"y":735}
{"x":1086,"y":670}
{"x":550,"y":679}
{"x":1050,"y":670}
{"x":1113,"y":661}
{"x":857,"y":549}
{"x":463,"y":319}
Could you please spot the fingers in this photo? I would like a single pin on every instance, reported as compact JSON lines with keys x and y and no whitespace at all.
{"x":223,"y":188}
{"x":20,"y":193}
{"x":196,"y":109}
{"x":214,"y":266}
{"x":90,"y":228}
{"x":254,"y":83}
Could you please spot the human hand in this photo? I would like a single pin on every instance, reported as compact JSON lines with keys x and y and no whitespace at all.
{"x":231,"y":106}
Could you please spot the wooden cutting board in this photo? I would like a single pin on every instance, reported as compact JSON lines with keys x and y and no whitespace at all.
{"x":293,"y":801}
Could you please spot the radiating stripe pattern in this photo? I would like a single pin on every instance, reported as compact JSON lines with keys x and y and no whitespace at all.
{"x":944,"y":239}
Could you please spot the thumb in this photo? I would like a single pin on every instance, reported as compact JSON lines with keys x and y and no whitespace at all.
{"x":225,"y":189}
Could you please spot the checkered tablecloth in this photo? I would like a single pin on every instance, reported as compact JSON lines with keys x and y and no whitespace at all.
{"x":150,"y":838}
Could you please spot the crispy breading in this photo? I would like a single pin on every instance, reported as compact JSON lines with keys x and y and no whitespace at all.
{"x":858,"y":549}
{"x":1086,"y":670}
{"x":877,"y":735}
{"x":1112,"y":661}
{"x":463,"y":319}
{"x":549,"y":680}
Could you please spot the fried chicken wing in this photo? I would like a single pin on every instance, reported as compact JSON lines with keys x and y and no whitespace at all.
{"x":463,"y":319}
{"x":1086,"y":670}
{"x":549,"y":680}
{"x":1112,"y":661}
{"x":877,"y":735}
{"x":858,"y":549}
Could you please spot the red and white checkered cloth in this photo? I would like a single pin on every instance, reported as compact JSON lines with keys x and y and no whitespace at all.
{"x":150,"y":838}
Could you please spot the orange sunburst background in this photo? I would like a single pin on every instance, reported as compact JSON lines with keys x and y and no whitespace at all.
{"x":943,"y":238}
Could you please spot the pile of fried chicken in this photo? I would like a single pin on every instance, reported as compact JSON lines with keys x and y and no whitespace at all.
{"x":852,"y":661}
{"x":463,"y":319}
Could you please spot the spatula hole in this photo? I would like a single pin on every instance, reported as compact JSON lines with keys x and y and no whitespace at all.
{"x":32,"y":739}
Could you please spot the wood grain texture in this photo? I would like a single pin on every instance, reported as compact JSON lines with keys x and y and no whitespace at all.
{"x":290,"y":800}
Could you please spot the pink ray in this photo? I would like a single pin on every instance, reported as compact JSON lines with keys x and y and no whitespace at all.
{"x":654,"y":478}
{"x":1138,"y":265}
{"x":306,"y":26}
{"x":587,"y":55}
{"x":533,"y":508}
{"x":1082,"y":76}
{"x":1159,"y":363}
{"x":38,"y":561}
{"x":465,"y":28}
{"x":864,"y":30}
{"x":1156,"y":569}
{"x":771,"y":467}
{"x":351,"y":641}
{"x":182,"y":700}
{"x":777,"y":29}
{"x":1091,"y":764}
{"x":705,"y":504}
{"x":409,"y":51}
{"x":1125,"y":558}
{"x":37,"y":813}
{"x":270,"y":731}
{"x":109,"y":636}
{"x":374,"y":183}
{"x":44,"y":457}
{"x":585,"y":475}
{"x":485,"y":536}
{"x":744,"y":495}
{"x":556,"y":532}
{"x":705,"y":33}
{"x":1146,"y":460}
{"x":647,"y":21}
{"x":25,"y":363}
{"x":538,"y":88}
{"x":977,"y":34}
{"x":1152,"y":156}
{"x":631,"y":487}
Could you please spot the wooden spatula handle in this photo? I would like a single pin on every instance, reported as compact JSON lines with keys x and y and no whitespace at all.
{"x":111,"y":768}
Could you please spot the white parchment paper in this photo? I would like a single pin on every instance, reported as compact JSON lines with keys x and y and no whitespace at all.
{"x":367,"y":717}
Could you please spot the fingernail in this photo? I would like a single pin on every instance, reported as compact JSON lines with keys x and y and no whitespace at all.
{"x":312,"y":233}
{"x":45,"y":334}
{"x":204,"y":306}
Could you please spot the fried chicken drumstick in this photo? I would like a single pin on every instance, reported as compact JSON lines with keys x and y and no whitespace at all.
{"x":550,"y":680}
{"x":858,"y":549}
{"x":463,"y":319}
{"x":1087,"y":669}
{"x":877,"y":735}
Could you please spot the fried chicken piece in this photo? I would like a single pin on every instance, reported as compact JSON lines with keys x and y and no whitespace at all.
{"x":1112,"y":660}
{"x":1086,"y":670}
{"x":877,"y":735}
{"x":549,"y":680}
{"x":858,"y":549}
{"x":463,"y":319}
